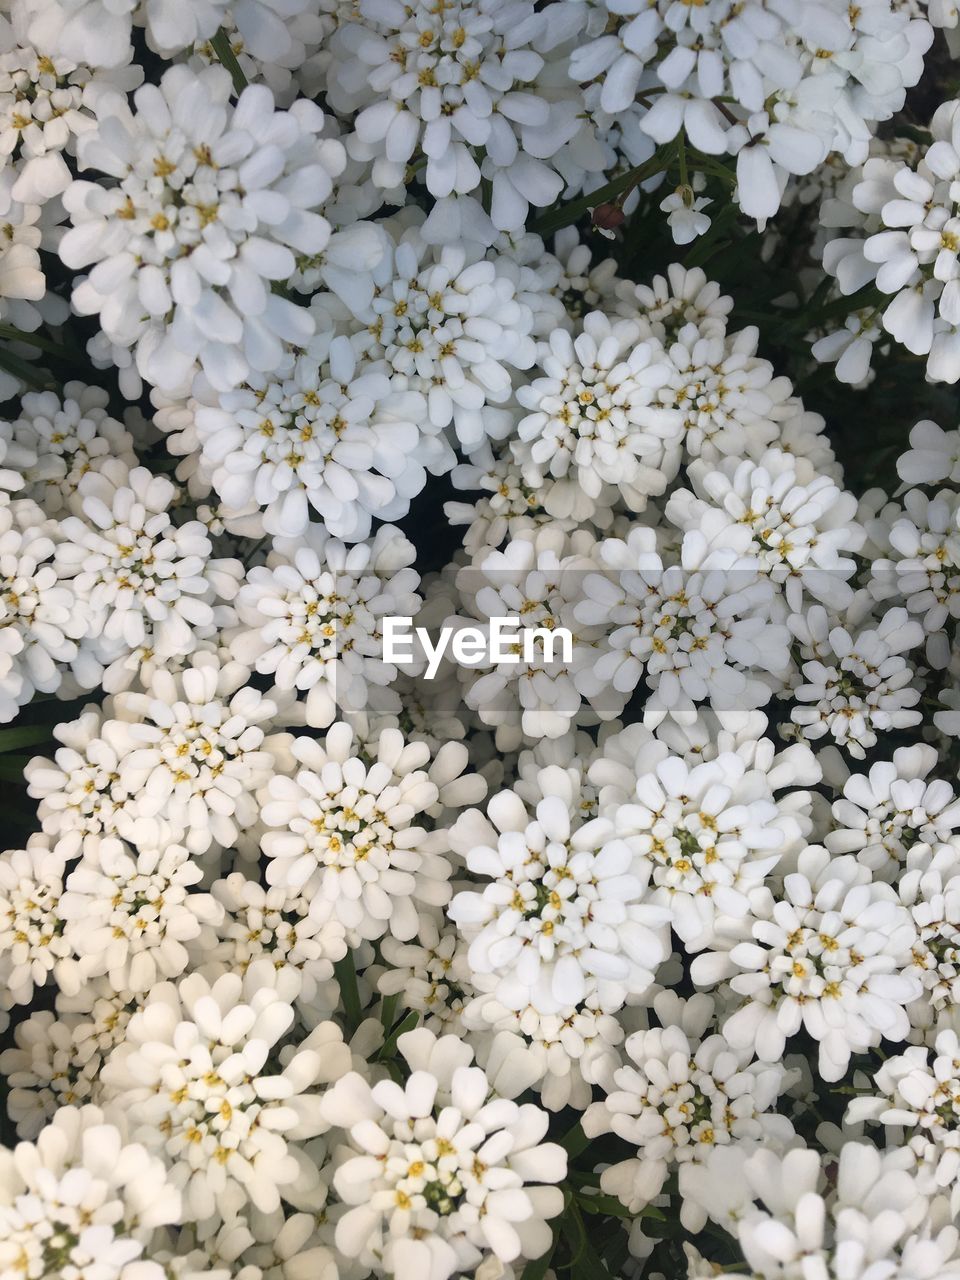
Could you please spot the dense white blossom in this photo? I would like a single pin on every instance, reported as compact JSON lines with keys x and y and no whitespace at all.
{"x":868,"y":1218}
{"x":451,"y":323}
{"x":705,"y":629}
{"x":67,"y":436}
{"x":802,"y":82}
{"x":150,"y":586}
{"x":684,"y":1093}
{"x":457,"y":86}
{"x":327,"y":430}
{"x":40,"y":623}
{"x":196,"y":745}
{"x":589,"y":417}
{"x":128,"y":916}
{"x":828,"y":956}
{"x":193,"y":1079}
{"x":33,"y":948}
{"x":854,"y":679}
{"x":564,"y":913}
{"x":312,"y":618}
{"x":436,"y":1177}
{"x":354,"y":836}
{"x":622,"y":942}
{"x":83,"y":1201}
{"x":212,"y":204}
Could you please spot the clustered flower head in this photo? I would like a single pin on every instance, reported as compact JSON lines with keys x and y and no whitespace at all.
{"x":337,"y":943}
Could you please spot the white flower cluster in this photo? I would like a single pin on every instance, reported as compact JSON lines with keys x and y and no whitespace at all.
{"x":632,"y":949}
{"x":903,"y":207}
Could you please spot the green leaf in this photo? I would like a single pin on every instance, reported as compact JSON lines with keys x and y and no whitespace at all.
{"x":345,"y":972}
{"x":11,"y":769}
{"x":574,"y":1141}
{"x":40,"y":379}
{"x":26,"y":735}
{"x":221,"y":47}
{"x":389,"y":1046}
{"x":52,"y":348}
{"x":609,"y":1205}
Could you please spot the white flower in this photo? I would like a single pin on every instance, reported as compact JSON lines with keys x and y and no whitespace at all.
{"x":56,"y":1058}
{"x":560,"y":913}
{"x":538,"y":577}
{"x":729,"y":400}
{"x":869,"y":1220}
{"x":453,"y":325}
{"x":668,"y":304}
{"x":149,"y":586}
{"x":32,"y":943}
{"x":430,"y":971}
{"x":46,"y":1069}
{"x":684,"y":1093}
{"x":457,"y":87}
{"x":933,"y":456}
{"x":95,"y":32}
{"x":46,"y":103}
{"x":829,"y":956}
{"x":311,"y":618}
{"x":436,"y":1173}
{"x":709,"y":833}
{"x":567,"y":1052}
{"x":907,"y":205}
{"x":590,"y":411}
{"x":705,"y":629}
{"x":922,"y":567}
{"x":584,"y":284}
{"x":335,"y":433}
{"x":262,"y":1247}
{"x":83,"y":1202}
{"x":347,"y":833}
{"x":851,"y":347}
{"x":196,"y":746}
{"x":796,"y":82}
{"x":173,"y":25}
{"x":276,"y":924}
{"x":81,"y":792}
{"x":509,"y":506}
{"x":212,"y":204}
{"x":193,"y":1079}
{"x":21,"y":279}
{"x":128,"y":915}
{"x":854,"y":679}
{"x":803,"y":525}
{"x":894,"y":809}
{"x":684,"y":209}
{"x":930,"y":890}
{"x":918,"y":1099}
{"x":68,"y":435}
{"x":40,"y":621}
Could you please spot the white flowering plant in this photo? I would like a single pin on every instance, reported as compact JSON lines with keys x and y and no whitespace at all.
{"x":479,"y":640}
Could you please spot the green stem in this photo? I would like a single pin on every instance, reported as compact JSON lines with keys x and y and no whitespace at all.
{"x":41,"y":379}
{"x":389,"y":1046}
{"x":346,"y":974}
{"x":388,"y":1012}
{"x":554,"y":219}
{"x":682,"y":157}
{"x":220,"y":44}
{"x":42,"y":344}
